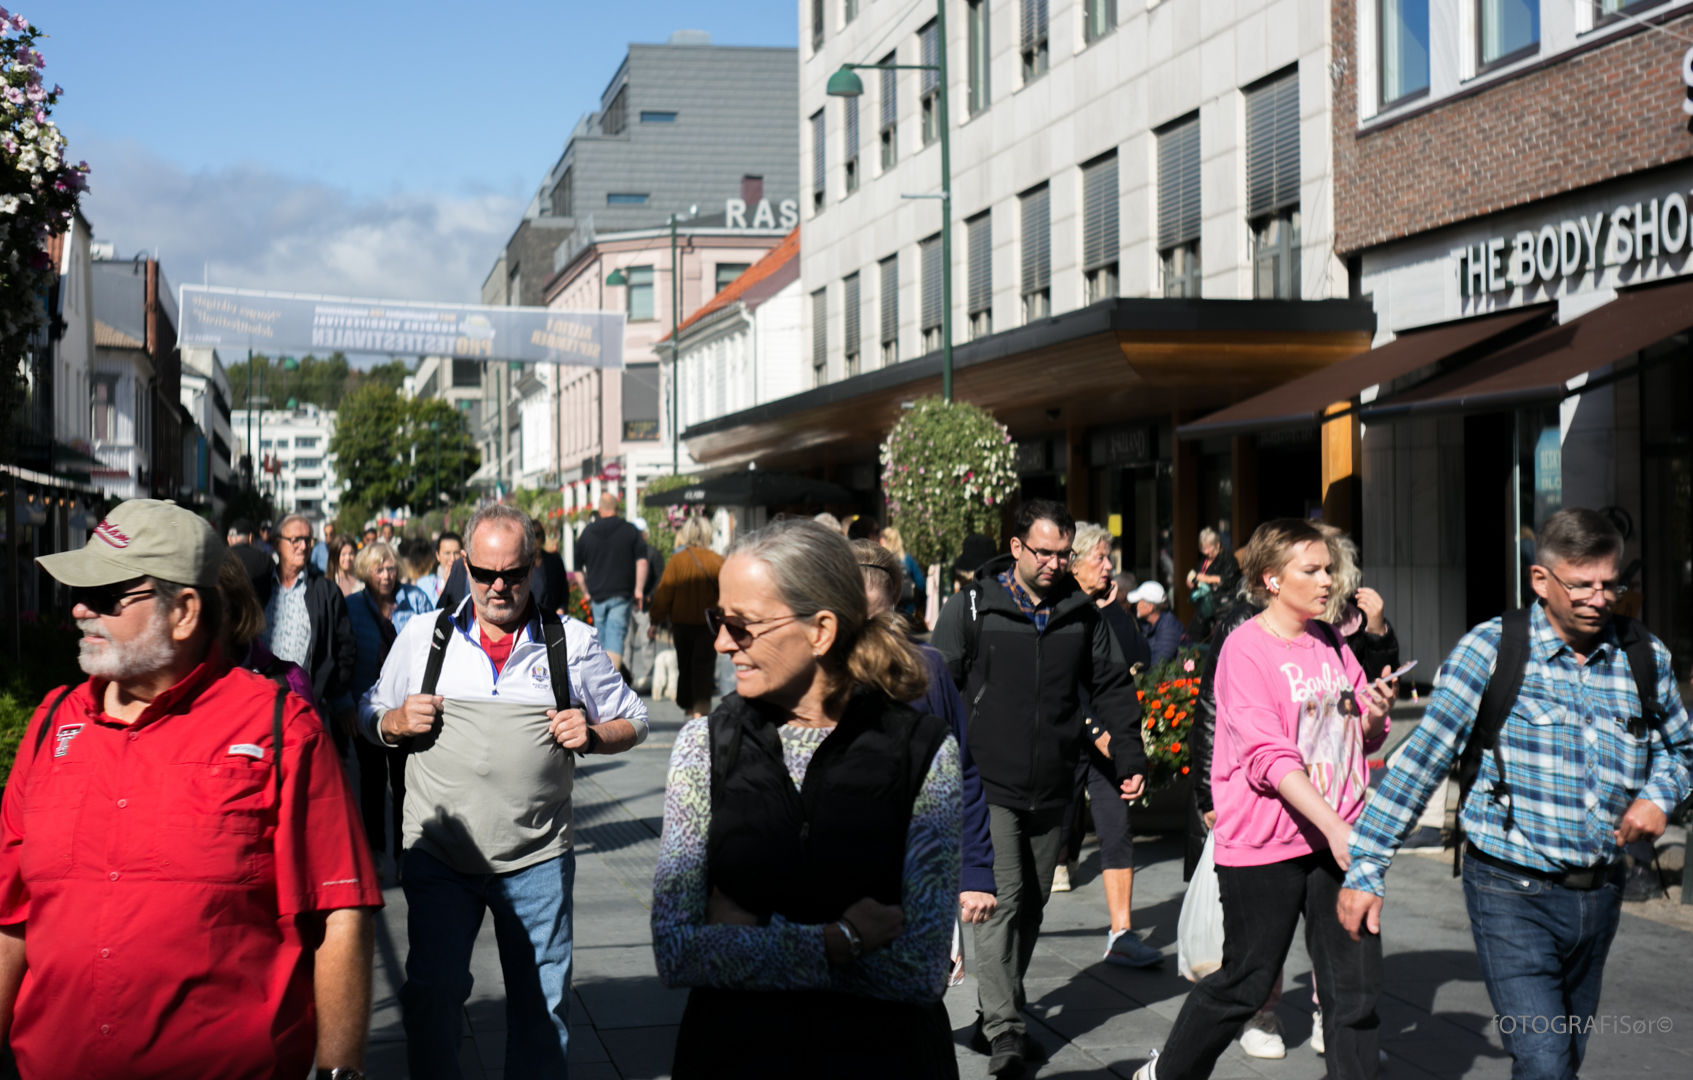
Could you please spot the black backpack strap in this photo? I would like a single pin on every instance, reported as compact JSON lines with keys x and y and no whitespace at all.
{"x":1643,"y":665}
{"x":276,"y":741}
{"x":558,"y":657}
{"x":47,"y":717}
{"x":437,"y":651}
{"x":1503,"y":687}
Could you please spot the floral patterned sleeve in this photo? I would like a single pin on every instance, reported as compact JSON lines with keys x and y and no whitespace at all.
{"x":789,"y":956}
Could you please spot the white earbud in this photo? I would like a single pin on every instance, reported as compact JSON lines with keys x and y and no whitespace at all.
{"x":1275,"y":585}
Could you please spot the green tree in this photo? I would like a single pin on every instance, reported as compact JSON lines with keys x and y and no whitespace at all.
{"x":325,"y":382}
{"x":396,"y":452}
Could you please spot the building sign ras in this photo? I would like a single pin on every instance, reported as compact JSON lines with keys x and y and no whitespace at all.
{"x":1568,"y":248}
{"x":737,"y":214}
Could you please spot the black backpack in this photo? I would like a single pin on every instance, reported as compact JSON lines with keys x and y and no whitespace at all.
{"x":558,"y":667}
{"x":1502,"y":690}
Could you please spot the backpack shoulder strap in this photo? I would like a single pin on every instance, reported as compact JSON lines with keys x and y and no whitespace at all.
{"x":558,"y":657}
{"x":1503,"y":687}
{"x":276,"y":741}
{"x":47,"y":717}
{"x":973,"y":625}
{"x":437,"y":650}
{"x":1643,"y":665}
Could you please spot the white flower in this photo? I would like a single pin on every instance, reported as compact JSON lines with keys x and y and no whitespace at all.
{"x":8,"y":204}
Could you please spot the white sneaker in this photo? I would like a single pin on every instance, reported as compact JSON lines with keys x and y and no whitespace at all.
{"x":1061,"y":878}
{"x":1261,"y":1037}
{"x":1317,"y":1031}
{"x":1149,"y":1071}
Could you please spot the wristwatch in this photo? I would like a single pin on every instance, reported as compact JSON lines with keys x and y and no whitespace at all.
{"x":593,"y":743}
{"x":345,"y":1072}
{"x":855,"y":944}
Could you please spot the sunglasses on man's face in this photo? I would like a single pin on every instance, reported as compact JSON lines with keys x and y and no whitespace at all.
{"x":512,"y":578}
{"x":110,"y":600}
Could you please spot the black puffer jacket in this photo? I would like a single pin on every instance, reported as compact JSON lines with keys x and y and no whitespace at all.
{"x":1372,"y":650}
{"x":1023,"y":689}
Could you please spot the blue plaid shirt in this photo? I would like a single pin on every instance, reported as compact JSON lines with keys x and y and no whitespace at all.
{"x":1572,"y":766}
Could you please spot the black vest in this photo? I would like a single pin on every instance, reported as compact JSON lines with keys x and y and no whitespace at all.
{"x":810,"y":854}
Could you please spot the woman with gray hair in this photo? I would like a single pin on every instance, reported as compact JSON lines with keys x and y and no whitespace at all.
{"x":809,"y":867}
{"x":1214,"y":584}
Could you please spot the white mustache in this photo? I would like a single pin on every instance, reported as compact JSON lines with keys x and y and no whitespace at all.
{"x":93,"y":628}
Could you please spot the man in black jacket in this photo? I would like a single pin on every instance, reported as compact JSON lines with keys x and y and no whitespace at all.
{"x":1021,"y":641}
{"x":306,"y":620}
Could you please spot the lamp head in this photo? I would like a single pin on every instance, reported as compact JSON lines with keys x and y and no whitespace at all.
{"x":845,"y":83}
{"x":617,"y":277}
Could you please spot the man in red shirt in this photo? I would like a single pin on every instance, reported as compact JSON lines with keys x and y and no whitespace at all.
{"x":185,"y":889}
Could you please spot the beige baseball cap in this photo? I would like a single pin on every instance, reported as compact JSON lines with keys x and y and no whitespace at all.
{"x":143,"y":538}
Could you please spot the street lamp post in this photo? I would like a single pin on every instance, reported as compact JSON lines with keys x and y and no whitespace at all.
{"x":844,"y":83}
{"x":618,"y":277}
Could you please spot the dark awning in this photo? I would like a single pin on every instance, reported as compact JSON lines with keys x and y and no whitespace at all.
{"x":1540,"y":367}
{"x":1300,"y":403}
{"x":754,"y":488}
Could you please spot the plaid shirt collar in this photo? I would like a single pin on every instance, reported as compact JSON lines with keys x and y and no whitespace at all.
{"x":1546,"y":647}
{"x":1037,"y":611}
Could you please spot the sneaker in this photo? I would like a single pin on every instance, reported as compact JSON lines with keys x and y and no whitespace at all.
{"x":1125,"y":947}
{"x":1317,"y":1032}
{"x":1261,"y":1038}
{"x":1149,"y":1071}
{"x":1007,"y":1056}
{"x":1061,"y":878}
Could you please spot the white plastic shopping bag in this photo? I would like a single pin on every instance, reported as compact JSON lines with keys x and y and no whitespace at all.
{"x":1199,"y":931}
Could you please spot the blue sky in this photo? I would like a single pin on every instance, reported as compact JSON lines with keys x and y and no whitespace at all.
{"x":364,"y":147}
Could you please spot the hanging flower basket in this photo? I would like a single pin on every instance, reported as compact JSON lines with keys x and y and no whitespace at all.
{"x":947,"y":471}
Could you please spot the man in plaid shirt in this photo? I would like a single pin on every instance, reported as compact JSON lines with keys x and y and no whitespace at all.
{"x":1543,"y":869}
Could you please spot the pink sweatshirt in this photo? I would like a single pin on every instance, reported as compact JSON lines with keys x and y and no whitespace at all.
{"x":1284,"y":705}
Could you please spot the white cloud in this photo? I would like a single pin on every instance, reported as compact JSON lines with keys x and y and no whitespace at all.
{"x":252,"y":227}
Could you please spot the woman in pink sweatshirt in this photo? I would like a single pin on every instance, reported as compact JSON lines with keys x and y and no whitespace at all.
{"x":1295,"y":718}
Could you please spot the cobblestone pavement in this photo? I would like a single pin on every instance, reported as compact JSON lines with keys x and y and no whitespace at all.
{"x":1095,"y":1020}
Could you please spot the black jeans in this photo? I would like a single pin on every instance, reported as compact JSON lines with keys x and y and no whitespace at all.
{"x":382,"y":782}
{"x":1261,"y":908}
{"x":696,"y":666}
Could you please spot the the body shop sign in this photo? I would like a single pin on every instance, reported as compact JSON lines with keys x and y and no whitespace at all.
{"x":1570,"y":247}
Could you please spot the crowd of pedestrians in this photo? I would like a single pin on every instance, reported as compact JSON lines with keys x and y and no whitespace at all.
{"x":272,"y":727}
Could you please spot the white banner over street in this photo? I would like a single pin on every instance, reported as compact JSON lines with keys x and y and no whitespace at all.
{"x":276,"y":323}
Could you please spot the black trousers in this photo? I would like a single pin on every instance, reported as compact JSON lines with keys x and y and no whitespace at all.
{"x":696,"y":666}
{"x":382,"y":770}
{"x":1261,"y":908}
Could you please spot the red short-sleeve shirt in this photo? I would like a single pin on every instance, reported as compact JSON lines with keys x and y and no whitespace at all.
{"x":160,"y":879}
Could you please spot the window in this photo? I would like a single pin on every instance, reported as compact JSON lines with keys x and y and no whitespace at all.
{"x":928,"y":41}
{"x":890,"y":309}
{"x":851,"y":106}
{"x":929,"y":310}
{"x":890,"y":115}
{"x":1272,"y":186}
{"x":648,"y":117}
{"x":979,"y":232}
{"x":1037,"y":253}
{"x":308,"y":463}
{"x":1099,"y":17}
{"x":819,"y":157}
{"x":849,"y":323}
{"x":307,"y":481}
{"x":304,"y":443}
{"x":976,"y":35}
{"x":1509,"y":29}
{"x":849,"y":11}
{"x":1034,"y":39}
{"x":1404,"y":49}
{"x":105,"y":388}
{"x":640,"y":292}
{"x":819,"y":337}
{"x":1099,"y":228}
{"x":467,"y":373}
{"x":816,"y":25}
{"x":727,"y":273}
{"x":1605,"y":11}
{"x":564,"y":194}
{"x":1179,"y":214}
{"x":626,"y":198}
{"x":616,"y":116}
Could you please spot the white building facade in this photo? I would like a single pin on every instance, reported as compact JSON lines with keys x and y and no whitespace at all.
{"x":208,"y":464}
{"x":1180,"y":149}
{"x":296,"y":467}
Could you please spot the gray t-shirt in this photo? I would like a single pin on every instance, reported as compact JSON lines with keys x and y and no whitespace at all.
{"x":491,"y":793}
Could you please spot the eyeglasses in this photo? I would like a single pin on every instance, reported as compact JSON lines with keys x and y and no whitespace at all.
{"x":1056,"y":558}
{"x":109,"y":600}
{"x":716,"y":621}
{"x":512,"y":578}
{"x":306,"y":540}
{"x":1587,"y":592}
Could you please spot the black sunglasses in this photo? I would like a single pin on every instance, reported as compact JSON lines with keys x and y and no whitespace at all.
{"x":716,"y":621}
{"x":512,"y":578}
{"x":108,"y":600}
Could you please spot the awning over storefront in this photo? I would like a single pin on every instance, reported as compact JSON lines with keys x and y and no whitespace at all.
{"x":1541,"y":367}
{"x":754,"y":488}
{"x":1301,"y":402}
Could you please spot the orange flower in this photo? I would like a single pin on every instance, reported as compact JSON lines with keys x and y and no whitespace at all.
{"x":1182,"y":715}
{"x":1184,"y":770}
{"x":1175,"y":748}
{"x":1149,"y":724}
{"x":1170,"y":712}
{"x":1140,"y":695}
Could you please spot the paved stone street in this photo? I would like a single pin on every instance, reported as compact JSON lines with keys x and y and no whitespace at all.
{"x":1094,"y":1019}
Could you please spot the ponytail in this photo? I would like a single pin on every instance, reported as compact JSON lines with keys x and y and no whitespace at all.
{"x":882,"y":659}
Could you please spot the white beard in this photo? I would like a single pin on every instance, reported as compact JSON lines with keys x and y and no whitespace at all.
{"x":152,"y":651}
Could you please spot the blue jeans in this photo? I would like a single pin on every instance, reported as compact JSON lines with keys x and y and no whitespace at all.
{"x":611,"y":619}
{"x":532,"y":923}
{"x":1542,"y":950}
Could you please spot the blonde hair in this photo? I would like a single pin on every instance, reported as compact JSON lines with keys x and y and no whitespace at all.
{"x":1088,"y":535}
{"x":243,"y":616}
{"x":371,"y":557}
{"x":893,"y":541}
{"x":695,"y":532}
{"x":815,"y":569}
{"x":883,"y":574}
{"x":1269,"y":550}
{"x":1344,"y":571}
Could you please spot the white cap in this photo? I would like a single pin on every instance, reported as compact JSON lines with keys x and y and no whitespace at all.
{"x":1150,"y":591}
